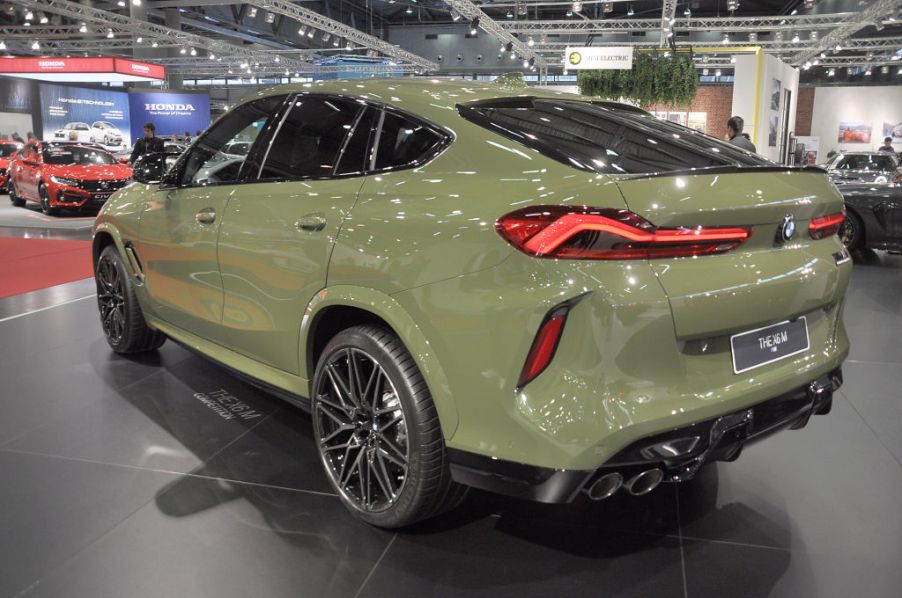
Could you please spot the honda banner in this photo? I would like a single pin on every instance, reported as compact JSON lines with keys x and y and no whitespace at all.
{"x":85,"y":115}
{"x":171,"y":113}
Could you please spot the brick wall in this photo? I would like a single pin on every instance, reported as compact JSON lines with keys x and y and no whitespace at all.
{"x":716,"y":101}
{"x":804,"y":110}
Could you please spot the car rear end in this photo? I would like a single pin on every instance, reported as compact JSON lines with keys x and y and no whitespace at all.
{"x":700,"y":312}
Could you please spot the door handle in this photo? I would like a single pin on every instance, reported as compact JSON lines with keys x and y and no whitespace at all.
{"x":311,"y":222}
{"x":206,"y":216}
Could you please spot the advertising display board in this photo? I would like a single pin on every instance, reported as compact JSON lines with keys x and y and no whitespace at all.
{"x":171,"y":113}
{"x":16,"y":106}
{"x":86,"y":115}
{"x":599,"y":57}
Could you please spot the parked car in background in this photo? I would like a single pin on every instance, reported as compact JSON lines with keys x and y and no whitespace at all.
{"x":106,"y":133}
{"x":7,"y":151}
{"x":864,"y":167}
{"x":873,"y":216}
{"x":81,"y":132}
{"x":518,"y":291}
{"x":57,"y":175}
{"x":238,"y":148}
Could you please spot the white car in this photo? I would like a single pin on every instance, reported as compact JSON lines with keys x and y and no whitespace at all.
{"x":74,"y":132}
{"x":106,"y":133}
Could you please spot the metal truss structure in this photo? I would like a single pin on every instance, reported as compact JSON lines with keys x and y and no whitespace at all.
{"x":470,"y":11}
{"x":309,"y":70}
{"x":150,"y":31}
{"x":313,"y":19}
{"x":874,"y":14}
{"x":668,"y":18}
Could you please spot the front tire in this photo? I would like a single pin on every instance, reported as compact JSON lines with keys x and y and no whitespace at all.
{"x":121,"y":318}
{"x":45,"y":201}
{"x":851,"y":232}
{"x":377,"y":430}
{"x":14,"y":197}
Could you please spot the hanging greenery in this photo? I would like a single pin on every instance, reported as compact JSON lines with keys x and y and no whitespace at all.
{"x":512,"y":80}
{"x":654,"y":79}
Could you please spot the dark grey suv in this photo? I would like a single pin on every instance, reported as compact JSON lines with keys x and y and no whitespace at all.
{"x":864,"y":167}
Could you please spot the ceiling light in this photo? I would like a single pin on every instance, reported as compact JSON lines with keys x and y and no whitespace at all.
{"x":831,"y":72}
{"x":277,"y":59}
{"x":726,"y":39}
{"x":732,"y":60}
{"x":409,"y":11}
{"x":510,"y":14}
{"x":35,"y":45}
{"x":110,"y":34}
{"x":577,"y":7}
{"x":838,"y":48}
{"x":183,"y":51}
{"x":521,"y":9}
{"x":531,"y":42}
{"x":43,"y":18}
{"x":813,"y":36}
{"x":139,"y":40}
{"x":83,"y":28}
{"x":348,"y":45}
{"x":212,"y":56}
{"x":808,"y":4}
{"x":154,"y":45}
{"x":474,"y":26}
{"x":121,"y":3}
{"x":252,"y":11}
{"x":326,"y":36}
{"x":302,"y":30}
{"x":2,"y":45}
{"x":753,"y":37}
{"x":311,"y":32}
{"x":717,"y":73}
{"x":899,"y":72}
{"x":705,"y":72}
{"x":667,"y":54}
{"x":193,"y":52}
{"x":336,"y":42}
{"x":778,"y":36}
{"x":687,"y":12}
{"x":269,"y":17}
{"x":136,"y":2}
{"x":455,"y":16}
{"x":607,"y":7}
{"x":884,"y":69}
{"x":526,"y":64}
{"x":867,"y":72}
{"x":732,"y":5}
{"x":795,"y":38}
{"x":29,"y":15}
{"x":569,"y":13}
{"x":630,"y":12}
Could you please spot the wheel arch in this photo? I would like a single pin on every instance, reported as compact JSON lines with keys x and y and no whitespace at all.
{"x":336,"y":308}
{"x":855,"y":212}
{"x":104,"y":236}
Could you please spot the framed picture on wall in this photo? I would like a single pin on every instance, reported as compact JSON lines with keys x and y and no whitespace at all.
{"x":854,"y":132}
{"x":698,"y":121}
{"x":893,"y":130}
{"x":776,"y":88}
{"x":773,"y":130}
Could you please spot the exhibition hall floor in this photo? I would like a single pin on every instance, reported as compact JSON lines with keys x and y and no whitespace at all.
{"x":124,"y":477}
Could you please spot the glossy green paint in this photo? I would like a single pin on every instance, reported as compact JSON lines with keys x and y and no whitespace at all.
{"x":646,"y":348}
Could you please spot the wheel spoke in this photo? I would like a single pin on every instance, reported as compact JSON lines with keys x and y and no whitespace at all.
{"x":341,"y":389}
{"x":400,"y":462}
{"x":347,"y":471}
{"x":398,"y":418}
{"x":326,"y":409}
{"x":340,"y":429}
{"x":383,"y":477}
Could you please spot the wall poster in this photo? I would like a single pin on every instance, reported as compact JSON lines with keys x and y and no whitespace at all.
{"x":776,"y":87}
{"x":854,"y":132}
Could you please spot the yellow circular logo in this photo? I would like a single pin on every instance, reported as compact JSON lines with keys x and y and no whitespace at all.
{"x":575,"y":58}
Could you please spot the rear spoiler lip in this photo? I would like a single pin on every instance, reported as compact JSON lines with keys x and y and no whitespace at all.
{"x":725,"y":169}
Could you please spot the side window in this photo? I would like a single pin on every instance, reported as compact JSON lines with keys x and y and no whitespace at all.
{"x":308,"y":141}
{"x":403,"y":142}
{"x":355,"y":157}
{"x":209,"y":161}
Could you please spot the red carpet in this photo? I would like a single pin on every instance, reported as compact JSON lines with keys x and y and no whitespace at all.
{"x":32,"y":264}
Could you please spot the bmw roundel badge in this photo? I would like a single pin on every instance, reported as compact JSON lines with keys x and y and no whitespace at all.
{"x":787,"y":229}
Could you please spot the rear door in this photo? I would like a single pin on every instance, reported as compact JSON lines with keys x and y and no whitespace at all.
{"x":276,"y":238}
{"x":28,"y":172}
{"x":181,"y":222}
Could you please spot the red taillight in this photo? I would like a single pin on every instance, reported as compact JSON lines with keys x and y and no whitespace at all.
{"x":826,"y":226}
{"x":580,"y":232}
{"x":543,"y":348}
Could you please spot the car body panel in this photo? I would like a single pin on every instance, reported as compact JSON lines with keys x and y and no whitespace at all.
{"x":879,"y":208}
{"x":646,"y":344}
{"x":842,"y":173}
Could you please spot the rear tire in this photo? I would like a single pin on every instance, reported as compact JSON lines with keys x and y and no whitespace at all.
{"x":45,"y":201}
{"x":377,"y":430}
{"x":14,"y":197}
{"x":851,"y":232}
{"x":121,"y":318}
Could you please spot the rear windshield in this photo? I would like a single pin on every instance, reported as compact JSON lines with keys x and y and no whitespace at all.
{"x":8,"y":149}
{"x":866,"y":162}
{"x":75,"y":154}
{"x":605,"y":138}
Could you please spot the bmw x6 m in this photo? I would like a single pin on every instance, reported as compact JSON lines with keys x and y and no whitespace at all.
{"x":528,"y":293}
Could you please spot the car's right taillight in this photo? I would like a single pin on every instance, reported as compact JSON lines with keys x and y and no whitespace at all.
{"x":585,"y":233}
{"x":826,"y":226}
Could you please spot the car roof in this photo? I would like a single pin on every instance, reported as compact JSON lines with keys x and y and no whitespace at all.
{"x":434,"y":98}
{"x":861,"y":153}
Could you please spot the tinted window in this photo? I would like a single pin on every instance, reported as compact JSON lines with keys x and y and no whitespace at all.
{"x":355,"y":157}
{"x":8,"y":149}
{"x":76,"y":155}
{"x":604,"y":138}
{"x":403,"y":142}
{"x":866,"y":162}
{"x":208,"y":161}
{"x":309,"y":139}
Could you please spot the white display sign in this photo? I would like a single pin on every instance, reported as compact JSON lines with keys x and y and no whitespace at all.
{"x":599,"y":57}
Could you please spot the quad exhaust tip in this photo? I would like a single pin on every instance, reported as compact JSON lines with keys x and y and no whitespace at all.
{"x":605,"y":486}
{"x":645,"y":482}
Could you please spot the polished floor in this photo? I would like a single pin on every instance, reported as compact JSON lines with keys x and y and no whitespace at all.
{"x":118,"y":479}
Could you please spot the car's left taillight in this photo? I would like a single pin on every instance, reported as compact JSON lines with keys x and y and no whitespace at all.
{"x":586,"y":233}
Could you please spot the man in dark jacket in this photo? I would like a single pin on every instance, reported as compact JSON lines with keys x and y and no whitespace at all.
{"x":734,"y":132}
{"x":148,"y":144}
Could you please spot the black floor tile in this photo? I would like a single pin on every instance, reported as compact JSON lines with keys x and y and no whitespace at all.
{"x":50,"y":509}
{"x":202,"y":537}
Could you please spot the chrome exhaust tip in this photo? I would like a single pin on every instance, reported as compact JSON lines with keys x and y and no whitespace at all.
{"x":605,"y":486}
{"x":645,"y":482}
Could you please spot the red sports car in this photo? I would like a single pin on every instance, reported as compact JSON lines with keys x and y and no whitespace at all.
{"x":65,"y":175}
{"x":7,"y":149}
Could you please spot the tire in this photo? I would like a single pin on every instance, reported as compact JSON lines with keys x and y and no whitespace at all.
{"x":851,"y":232}
{"x":14,"y":197}
{"x":121,"y":318}
{"x":45,"y":201}
{"x":378,"y":436}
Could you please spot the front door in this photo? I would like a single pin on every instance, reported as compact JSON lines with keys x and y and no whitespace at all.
{"x":180,"y":224}
{"x":276,"y":240}
{"x":26,"y":176}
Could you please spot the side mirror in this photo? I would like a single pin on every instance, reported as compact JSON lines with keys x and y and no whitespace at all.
{"x":150,"y":168}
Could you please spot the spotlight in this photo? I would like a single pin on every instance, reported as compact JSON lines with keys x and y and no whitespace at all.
{"x":326,"y":36}
{"x":717,"y":73}
{"x":336,"y":41}
{"x":687,"y":12}
{"x":136,"y":2}
{"x":753,"y":37}
{"x":705,"y":72}
{"x":193,"y":52}
{"x":269,"y":17}
{"x":732,"y":5}
{"x":455,"y":16}
{"x":813,"y":36}
{"x":726,"y":39}
{"x":509,"y":47}
{"x":577,"y":7}
{"x":795,"y":38}
{"x":43,"y":18}
{"x":183,"y":51}
{"x":732,"y":60}
{"x":867,"y":72}
{"x":83,"y":28}
{"x":277,"y":59}
{"x":110,"y":34}
{"x":29,"y":16}
{"x":154,"y":45}
{"x":884,"y":70}
{"x":252,"y":11}
{"x":823,"y":54}
{"x":525,"y":64}
{"x":139,"y":40}
{"x":35,"y":45}
{"x":899,"y":72}
{"x":2,"y":45}
{"x":778,"y":36}
{"x":121,"y":3}
{"x":831,"y":73}
{"x":607,"y":7}
{"x":531,"y":42}
{"x":302,"y":30}
{"x":212,"y":56}
{"x":630,"y":12}
{"x":311,"y":32}
{"x":521,"y":9}
{"x":348,"y":45}
{"x":409,"y":11}
{"x":808,"y":4}
{"x":474,"y":26}
{"x":838,"y":48}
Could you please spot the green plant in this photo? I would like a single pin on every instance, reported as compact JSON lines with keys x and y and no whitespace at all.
{"x":654,"y":79}
{"x":512,"y":80}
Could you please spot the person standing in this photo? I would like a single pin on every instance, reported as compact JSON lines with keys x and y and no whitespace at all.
{"x":148,"y":144}
{"x":187,"y":137}
{"x":736,"y":136}
{"x":30,"y":136}
{"x":887,"y":146}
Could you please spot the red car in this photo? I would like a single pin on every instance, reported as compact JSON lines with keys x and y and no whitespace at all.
{"x":65,"y":175}
{"x":7,"y":150}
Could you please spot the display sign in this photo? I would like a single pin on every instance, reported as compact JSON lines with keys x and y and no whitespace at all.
{"x":810,"y":148}
{"x":58,"y":68}
{"x":86,"y":115}
{"x":599,"y":58}
{"x":171,"y":113}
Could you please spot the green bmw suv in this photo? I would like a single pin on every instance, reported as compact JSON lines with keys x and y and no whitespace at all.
{"x":524,"y":292}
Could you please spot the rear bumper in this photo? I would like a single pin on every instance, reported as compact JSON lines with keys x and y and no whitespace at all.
{"x":679,"y":453}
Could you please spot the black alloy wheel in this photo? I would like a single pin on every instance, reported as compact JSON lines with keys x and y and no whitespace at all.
{"x":45,"y":201}
{"x":14,"y":197}
{"x":111,"y":300}
{"x":377,"y":430}
{"x":850,"y":232}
